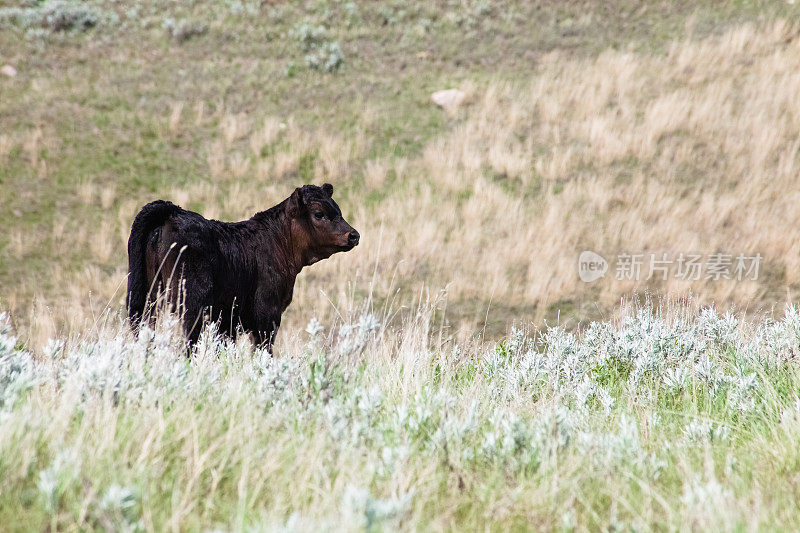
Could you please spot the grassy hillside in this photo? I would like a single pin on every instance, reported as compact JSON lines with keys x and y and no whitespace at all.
{"x":640,"y":127}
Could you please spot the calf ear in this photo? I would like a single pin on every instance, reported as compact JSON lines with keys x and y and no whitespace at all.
{"x":295,"y":205}
{"x":328,"y":188}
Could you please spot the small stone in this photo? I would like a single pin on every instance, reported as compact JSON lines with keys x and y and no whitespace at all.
{"x":8,"y":70}
{"x":448,"y":99}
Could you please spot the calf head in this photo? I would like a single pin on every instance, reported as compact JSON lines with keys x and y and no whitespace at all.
{"x":318,"y":229}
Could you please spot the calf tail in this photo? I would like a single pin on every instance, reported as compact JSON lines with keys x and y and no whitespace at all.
{"x":149,"y":218}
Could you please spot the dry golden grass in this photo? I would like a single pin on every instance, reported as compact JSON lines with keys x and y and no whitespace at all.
{"x":694,"y":150}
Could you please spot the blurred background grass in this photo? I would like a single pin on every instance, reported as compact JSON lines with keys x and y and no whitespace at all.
{"x":624,"y":126}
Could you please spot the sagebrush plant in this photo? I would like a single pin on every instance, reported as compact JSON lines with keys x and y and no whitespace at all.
{"x":645,"y":423}
{"x":183,"y":29}
{"x":55,"y":16}
{"x":321,"y":52}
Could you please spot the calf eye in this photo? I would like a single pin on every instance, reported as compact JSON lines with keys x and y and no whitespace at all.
{"x":319,"y":215}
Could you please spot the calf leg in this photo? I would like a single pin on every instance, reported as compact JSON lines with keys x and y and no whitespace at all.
{"x":191,"y":286}
{"x":266,"y":329}
{"x":196,"y":306}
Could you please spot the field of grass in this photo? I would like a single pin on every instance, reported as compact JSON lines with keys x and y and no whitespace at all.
{"x":465,"y":376}
{"x":672,"y":421}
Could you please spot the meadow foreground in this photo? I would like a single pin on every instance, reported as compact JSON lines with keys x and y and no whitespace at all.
{"x":678,"y":422}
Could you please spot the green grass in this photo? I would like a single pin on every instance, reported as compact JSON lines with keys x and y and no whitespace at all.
{"x":375,"y":428}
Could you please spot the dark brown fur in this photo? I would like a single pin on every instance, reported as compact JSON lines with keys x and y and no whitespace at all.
{"x":240,"y":274}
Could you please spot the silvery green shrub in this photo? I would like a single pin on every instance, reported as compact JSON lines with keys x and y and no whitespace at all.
{"x":55,"y":16}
